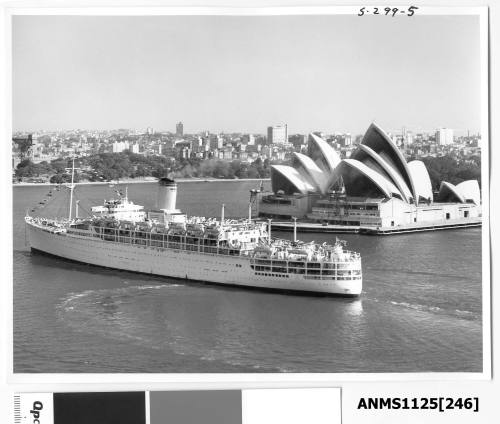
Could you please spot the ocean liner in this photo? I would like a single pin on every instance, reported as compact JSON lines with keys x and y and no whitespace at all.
{"x":165,"y":242}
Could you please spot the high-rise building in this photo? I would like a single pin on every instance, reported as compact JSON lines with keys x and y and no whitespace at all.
{"x":346,"y":139}
{"x":409,"y":138}
{"x":277,"y":134}
{"x":120,"y":146}
{"x":444,"y":136}
{"x":220,"y":141}
{"x":179,"y":129}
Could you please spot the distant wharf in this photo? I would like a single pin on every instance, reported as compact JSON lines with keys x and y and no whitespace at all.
{"x":314,"y":227}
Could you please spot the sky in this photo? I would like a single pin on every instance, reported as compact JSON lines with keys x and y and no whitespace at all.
{"x":244,"y":73}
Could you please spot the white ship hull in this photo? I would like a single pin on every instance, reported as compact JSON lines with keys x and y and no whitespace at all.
{"x":203,"y":267}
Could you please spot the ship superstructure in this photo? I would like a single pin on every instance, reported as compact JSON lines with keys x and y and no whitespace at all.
{"x":166,"y":242}
{"x":120,"y":209}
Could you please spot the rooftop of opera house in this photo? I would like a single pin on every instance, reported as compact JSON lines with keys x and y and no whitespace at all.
{"x":376,"y":173}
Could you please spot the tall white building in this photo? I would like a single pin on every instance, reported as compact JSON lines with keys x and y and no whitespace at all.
{"x":277,"y":134}
{"x":444,"y":136}
{"x":408,"y":140}
{"x":120,"y":146}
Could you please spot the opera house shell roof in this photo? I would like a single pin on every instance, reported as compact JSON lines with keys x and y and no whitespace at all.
{"x":376,"y":168}
{"x":465,"y":192}
{"x":309,"y":173}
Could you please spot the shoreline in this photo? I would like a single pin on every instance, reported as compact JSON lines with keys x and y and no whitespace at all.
{"x":135,"y":181}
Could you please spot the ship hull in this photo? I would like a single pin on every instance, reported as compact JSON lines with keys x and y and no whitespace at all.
{"x":189,"y":265}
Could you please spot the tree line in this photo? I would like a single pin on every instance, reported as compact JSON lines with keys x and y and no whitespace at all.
{"x":447,"y":168}
{"x":114,"y":166}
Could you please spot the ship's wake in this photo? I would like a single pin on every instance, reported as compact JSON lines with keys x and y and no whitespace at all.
{"x":459,"y":313}
{"x":251,"y":331}
{"x":211,"y":324}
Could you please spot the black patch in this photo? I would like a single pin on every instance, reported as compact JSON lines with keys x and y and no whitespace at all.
{"x":100,"y":408}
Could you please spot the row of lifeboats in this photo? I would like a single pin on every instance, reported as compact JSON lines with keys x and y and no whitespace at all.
{"x":298,"y":251}
{"x":173,"y":228}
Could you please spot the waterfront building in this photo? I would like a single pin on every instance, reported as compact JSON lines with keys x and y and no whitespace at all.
{"x":277,"y":134}
{"x":465,"y":192}
{"x":295,"y":187}
{"x":374,"y":187}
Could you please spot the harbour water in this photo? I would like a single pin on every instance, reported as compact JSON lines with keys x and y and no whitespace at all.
{"x":420,"y":310}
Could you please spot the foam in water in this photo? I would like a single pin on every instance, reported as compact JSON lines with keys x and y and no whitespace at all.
{"x":436,"y":309}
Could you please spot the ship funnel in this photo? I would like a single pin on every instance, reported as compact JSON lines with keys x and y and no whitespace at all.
{"x":167,"y":194}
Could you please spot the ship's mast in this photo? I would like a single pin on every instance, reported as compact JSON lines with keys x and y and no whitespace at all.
{"x":249,"y":212}
{"x":71,"y":188}
{"x":269,"y":230}
{"x":294,"y":229}
{"x":222,"y":215}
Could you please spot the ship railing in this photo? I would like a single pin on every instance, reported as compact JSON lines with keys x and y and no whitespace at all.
{"x":47,"y":222}
{"x":166,"y":241}
{"x":338,"y":270}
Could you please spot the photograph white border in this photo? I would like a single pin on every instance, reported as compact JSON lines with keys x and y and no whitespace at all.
{"x":44,"y":382}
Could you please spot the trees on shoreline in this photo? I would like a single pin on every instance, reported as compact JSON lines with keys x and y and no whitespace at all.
{"x":113,"y":166}
{"x":447,"y":168}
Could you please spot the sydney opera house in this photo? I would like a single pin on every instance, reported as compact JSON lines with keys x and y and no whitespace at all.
{"x":374,"y":187}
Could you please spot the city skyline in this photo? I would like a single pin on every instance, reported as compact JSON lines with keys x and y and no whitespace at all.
{"x":243,"y":74}
{"x":144,"y":131}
